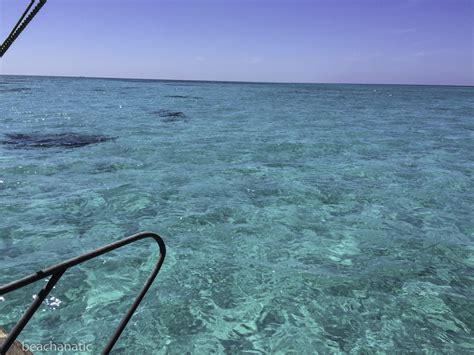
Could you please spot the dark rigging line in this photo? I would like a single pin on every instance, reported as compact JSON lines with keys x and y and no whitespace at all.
{"x":21,"y":25}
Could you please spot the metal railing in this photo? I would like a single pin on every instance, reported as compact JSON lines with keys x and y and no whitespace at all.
{"x":56,"y":271}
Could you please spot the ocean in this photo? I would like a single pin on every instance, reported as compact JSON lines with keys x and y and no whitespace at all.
{"x":298,"y":218}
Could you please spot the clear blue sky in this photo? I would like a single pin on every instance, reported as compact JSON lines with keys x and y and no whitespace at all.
{"x":354,"y":41}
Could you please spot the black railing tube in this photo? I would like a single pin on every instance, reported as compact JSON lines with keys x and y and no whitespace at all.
{"x":58,"y":270}
{"x":136,"y":303}
{"x":78,"y":260}
{"x":25,"y":318}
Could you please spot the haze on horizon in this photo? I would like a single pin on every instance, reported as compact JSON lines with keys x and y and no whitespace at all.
{"x":344,"y":41}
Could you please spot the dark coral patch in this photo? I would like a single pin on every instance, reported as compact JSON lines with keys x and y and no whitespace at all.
{"x":171,"y":116}
{"x":56,"y":140}
{"x":183,"y":97}
{"x":15,"y":89}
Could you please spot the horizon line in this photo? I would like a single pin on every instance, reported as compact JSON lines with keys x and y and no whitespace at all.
{"x":230,"y":81}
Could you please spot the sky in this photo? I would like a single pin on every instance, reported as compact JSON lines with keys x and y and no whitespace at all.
{"x":320,"y":41}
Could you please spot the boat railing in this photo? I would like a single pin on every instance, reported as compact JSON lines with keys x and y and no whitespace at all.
{"x":55,"y":272}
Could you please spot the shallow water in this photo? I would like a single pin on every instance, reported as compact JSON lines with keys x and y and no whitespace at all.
{"x":298,"y":218}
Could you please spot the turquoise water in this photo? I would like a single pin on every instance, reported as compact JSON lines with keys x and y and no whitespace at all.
{"x":298,"y":218}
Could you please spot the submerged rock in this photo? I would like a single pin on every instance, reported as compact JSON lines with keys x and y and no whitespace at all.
{"x":56,"y":140}
{"x":183,"y":97}
{"x":168,"y":113}
{"x":15,"y":89}
{"x":171,"y":116}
